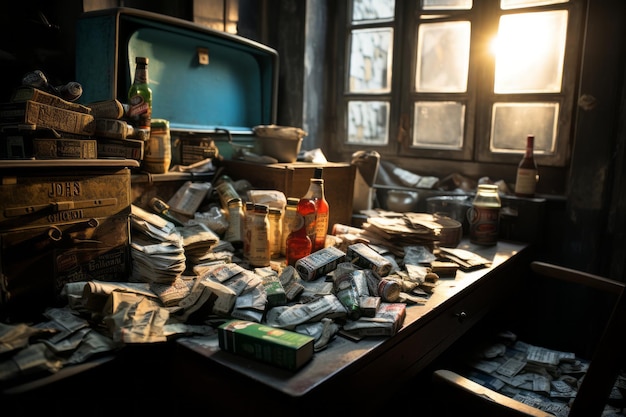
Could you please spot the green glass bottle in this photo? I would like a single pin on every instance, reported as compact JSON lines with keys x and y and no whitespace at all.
{"x":140,"y":97}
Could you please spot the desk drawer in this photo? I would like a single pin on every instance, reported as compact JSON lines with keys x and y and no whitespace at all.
{"x":415,"y":347}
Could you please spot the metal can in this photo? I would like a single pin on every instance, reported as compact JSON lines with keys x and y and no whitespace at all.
{"x":484,"y":216}
{"x":389,"y":290}
{"x":158,"y":151}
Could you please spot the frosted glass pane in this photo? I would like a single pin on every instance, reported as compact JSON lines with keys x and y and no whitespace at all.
{"x":514,"y":4}
{"x":370,"y":60}
{"x":443,"y":57}
{"x":530,"y":49}
{"x":438,"y":125}
{"x":446,"y":4}
{"x":512,"y":122}
{"x":368,"y":122}
{"x":372,"y":9}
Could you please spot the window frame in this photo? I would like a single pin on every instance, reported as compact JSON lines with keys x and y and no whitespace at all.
{"x":478,"y":98}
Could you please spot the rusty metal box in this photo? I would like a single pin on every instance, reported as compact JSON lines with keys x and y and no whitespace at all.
{"x":60,"y":221}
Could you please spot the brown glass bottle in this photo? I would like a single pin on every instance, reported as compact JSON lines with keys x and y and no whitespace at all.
{"x":527,"y":173}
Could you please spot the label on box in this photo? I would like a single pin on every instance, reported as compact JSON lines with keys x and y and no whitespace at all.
{"x":280,"y":347}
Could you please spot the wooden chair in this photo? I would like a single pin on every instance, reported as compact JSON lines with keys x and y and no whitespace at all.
{"x":458,"y":394}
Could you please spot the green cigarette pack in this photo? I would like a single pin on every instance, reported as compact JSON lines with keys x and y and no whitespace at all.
{"x":283,"y":348}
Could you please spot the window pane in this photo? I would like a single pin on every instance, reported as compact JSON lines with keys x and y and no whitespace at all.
{"x":514,"y":4}
{"x":512,"y":122}
{"x":370,"y":60}
{"x":446,"y":4}
{"x":438,"y":125}
{"x":530,"y":49}
{"x":368,"y":122}
{"x":372,"y":9}
{"x":443,"y":57}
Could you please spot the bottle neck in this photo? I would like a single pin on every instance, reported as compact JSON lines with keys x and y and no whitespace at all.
{"x":316,"y":189}
{"x":530,"y":145}
{"x":141,"y":74}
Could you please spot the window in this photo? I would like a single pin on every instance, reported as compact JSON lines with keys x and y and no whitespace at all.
{"x":459,"y":80}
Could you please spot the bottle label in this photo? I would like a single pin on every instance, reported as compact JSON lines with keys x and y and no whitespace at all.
{"x":321,"y":229}
{"x":484,"y":224}
{"x":140,"y":112}
{"x":259,"y":255}
{"x":158,"y":149}
{"x":309,"y":221}
{"x":526,"y":181}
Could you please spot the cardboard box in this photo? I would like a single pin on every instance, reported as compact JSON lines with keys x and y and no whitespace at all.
{"x":283,"y":348}
{"x":47,"y":116}
{"x":39,"y":196}
{"x":60,"y":222}
{"x":293,"y":180}
{"x":36,"y":263}
{"x":65,"y":148}
{"x":121,"y":148}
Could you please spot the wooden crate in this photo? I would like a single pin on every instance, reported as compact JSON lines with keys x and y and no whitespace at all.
{"x":293,"y":180}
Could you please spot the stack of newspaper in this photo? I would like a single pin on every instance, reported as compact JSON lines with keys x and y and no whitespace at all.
{"x":541,"y":377}
{"x":157,"y":248}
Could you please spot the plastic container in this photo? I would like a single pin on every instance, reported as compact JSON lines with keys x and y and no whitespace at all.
{"x":280,"y":142}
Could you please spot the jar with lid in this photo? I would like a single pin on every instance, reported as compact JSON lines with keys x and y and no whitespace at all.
{"x":248,"y":212}
{"x":288,"y":222}
{"x":259,"y":255}
{"x":275,"y":216}
{"x":234,"y":233}
{"x":484,"y":215}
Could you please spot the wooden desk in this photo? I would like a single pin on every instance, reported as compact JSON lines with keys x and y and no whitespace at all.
{"x":360,"y":376}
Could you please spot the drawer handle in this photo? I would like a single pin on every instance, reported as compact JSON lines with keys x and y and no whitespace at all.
{"x":461,"y":316}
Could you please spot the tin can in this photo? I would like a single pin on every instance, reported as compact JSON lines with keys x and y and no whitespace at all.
{"x":158,"y":152}
{"x":389,"y":290}
{"x":484,"y":216}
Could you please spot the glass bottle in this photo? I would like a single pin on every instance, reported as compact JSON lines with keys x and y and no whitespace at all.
{"x":234,"y":233}
{"x":288,"y":222}
{"x":226,"y":192}
{"x":259,"y":255}
{"x":299,"y":243}
{"x":247,"y":222}
{"x":140,"y":97}
{"x":527,"y":173}
{"x":317,"y":225}
{"x":275,"y":216}
{"x":484,"y":215}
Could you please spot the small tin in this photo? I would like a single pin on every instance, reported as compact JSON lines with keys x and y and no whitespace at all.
{"x":158,"y":149}
{"x":484,"y":216}
{"x":389,"y":290}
